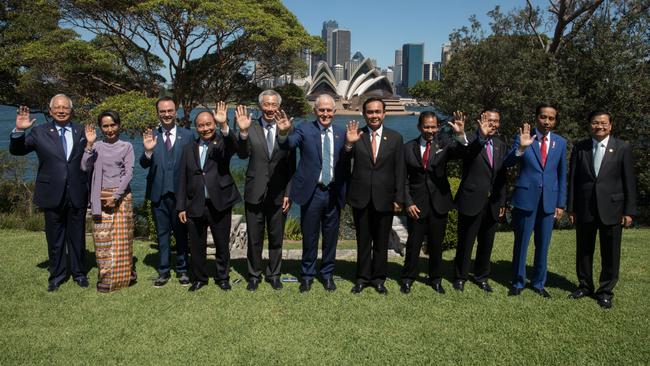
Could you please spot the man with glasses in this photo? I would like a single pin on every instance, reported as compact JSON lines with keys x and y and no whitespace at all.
{"x":61,"y":186}
{"x":602,"y":199}
{"x":163,"y":149}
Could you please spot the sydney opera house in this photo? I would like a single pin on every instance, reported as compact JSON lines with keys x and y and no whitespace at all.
{"x":364,"y":82}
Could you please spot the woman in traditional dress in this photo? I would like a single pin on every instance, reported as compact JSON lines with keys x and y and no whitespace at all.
{"x":111,"y":163}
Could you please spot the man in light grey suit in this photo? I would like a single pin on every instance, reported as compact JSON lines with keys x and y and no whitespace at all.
{"x":266,"y":193}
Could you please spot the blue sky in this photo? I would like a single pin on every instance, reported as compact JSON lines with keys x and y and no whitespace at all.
{"x":380,"y":27}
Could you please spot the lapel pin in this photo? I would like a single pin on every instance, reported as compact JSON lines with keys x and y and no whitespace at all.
{"x":611,"y":150}
{"x":553,"y":144}
{"x":385,"y":138}
{"x":51,"y":130}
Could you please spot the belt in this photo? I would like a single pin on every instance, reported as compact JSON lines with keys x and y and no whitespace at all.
{"x":323,"y":187}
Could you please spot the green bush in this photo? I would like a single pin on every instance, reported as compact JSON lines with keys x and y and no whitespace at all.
{"x":292,"y":229}
{"x":451,"y":233}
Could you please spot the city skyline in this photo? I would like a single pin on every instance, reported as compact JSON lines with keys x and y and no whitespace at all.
{"x":381,"y":31}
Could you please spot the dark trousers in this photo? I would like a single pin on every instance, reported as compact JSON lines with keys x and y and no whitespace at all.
{"x":433,"y":226}
{"x":320,"y":214}
{"x":470,"y":228}
{"x":258,"y":217}
{"x":167,"y":222}
{"x":219,"y":223}
{"x":65,"y":228}
{"x":610,"y":255}
{"x":373,"y":231}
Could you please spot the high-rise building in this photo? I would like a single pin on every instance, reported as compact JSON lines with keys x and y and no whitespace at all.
{"x":355,"y":62}
{"x":436,"y":70}
{"x":306,"y":57}
{"x":315,"y":60}
{"x":388,"y":73}
{"x":340,"y":46}
{"x":339,"y":72}
{"x":397,"y":68}
{"x":412,"y":61}
{"x":445,"y":55}
{"x":326,"y":34}
{"x":427,"y":67}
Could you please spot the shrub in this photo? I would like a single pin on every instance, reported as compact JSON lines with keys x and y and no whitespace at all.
{"x":451,"y":233}
{"x":292,"y":229}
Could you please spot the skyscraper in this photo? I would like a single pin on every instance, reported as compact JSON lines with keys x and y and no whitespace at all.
{"x":412,"y":61}
{"x":326,"y":34}
{"x":355,"y":61}
{"x":445,"y":55}
{"x":339,"y":72}
{"x":341,"y":46}
{"x":397,"y":68}
{"x":428,"y":68}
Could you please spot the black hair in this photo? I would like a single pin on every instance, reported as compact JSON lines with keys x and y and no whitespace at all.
{"x":540,"y":106}
{"x":164,"y":99}
{"x":599,"y":112}
{"x":109,"y":113}
{"x":373,"y":99}
{"x":426,"y":114}
{"x":493,"y":110}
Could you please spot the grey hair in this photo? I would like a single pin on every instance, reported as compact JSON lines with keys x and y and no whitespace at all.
{"x":324,"y":96}
{"x":272,"y":93}
{"x":59,"y":96}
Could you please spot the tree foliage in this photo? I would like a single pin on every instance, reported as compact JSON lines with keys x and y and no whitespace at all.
{"x":136,"y":110}
{"x":293,"y":100}
{"x":426,"y":90}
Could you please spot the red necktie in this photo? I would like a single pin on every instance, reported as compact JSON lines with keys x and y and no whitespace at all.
{"x":373,"y":145}
{"x":425,"y":157}
{"x":543,"y":151}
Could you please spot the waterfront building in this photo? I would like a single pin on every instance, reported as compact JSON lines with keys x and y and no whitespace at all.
{"x":412,"y":62}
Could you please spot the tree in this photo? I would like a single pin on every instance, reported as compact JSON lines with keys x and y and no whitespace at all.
{"x":294,"y":102}
{"x":136,"y":111}
{"x":426,"y":91}
{"x":204,"y":42}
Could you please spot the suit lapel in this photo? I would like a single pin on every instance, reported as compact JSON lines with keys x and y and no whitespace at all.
{"x":318,"y":143}
{"x":589,"y":154}
{"x":56,"y":140}
{"x":610,"y":149}
{"x":365,"y":139}
{"x":537,"y":150}
{"x":261,"y":136}
{"x":416,"y":152}
{"x":338,"y":143}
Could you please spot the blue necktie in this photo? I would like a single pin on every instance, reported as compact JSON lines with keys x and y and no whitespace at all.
{"x":269,"y":139}
{"x":598,"y":156}
{"x":64,"y":142}
{"x":327,"y":164}
{"x":204,"y":151}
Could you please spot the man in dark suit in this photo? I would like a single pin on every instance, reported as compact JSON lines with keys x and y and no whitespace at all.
{"x":61,"y":188}
{"x":428,"y":196}
{"x":318,"y":187}
{"x":539,"y":196}
{"x":266,"y":193}
{"x":206,"y":194}
{"x":375,"y":192}
{"x":480,"y":200}
{"x":602,"y":198}
{"x":163,"y":161}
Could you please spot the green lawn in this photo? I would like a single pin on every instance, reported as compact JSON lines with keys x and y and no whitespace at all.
{"x":144,"y":325}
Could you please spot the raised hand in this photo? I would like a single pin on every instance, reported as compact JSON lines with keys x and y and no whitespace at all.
{"x":220,"y":115}
{"x":243,"y":118}
{"x":282,"y":121}
{"x":525,"y":139}
{"x":484,"y":125}
{"x":458,"y":123}
{"x":353,"y":133}
{"x":149,"y":139}
{"x":22,"y":118}
{"x":91,"y":135}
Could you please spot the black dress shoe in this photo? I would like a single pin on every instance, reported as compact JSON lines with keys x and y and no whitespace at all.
{"x":224,"y":285}
{"x":329,"y":285}
{"x":275,"y":282}
{"x":514,"y":291}
{"x":82,"y":282}
{"x":405,"y":287}
{"x":605,"y":303}
{"x":196,"y":286}
{"x":381,"y":289}
{"x":305,"y":285}
{"x":437,"y":287}
{"x":579,"y":294}
{"x":485,"y":286}
{"x":51,"y":287}
{"x":459,"y":285}
{"x":357,"y":288}
{"x":542,"y":292}
{"x":253,"y":283}
{"x":161,"y":280}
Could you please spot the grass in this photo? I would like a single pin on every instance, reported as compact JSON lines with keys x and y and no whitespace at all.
{"x":144,"y":325}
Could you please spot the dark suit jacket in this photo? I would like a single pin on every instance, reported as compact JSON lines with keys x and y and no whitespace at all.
{"x":383,"y":181}
{"x":215,"y":175}
{"x":159,"y":160}
{"x":428,"y":187}
{"x":481,"y":183}
{"x":265,"y":176}
{"x":610,"y":195}
{"x":54,"y":172}
{"x":307,"y":137}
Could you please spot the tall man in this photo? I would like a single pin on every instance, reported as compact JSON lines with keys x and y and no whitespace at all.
{"x":428,"y":196}
{"x":163,"y":161}
{"x":539,"y":195}
{"x":480,"y":200}
{"x":602,"y":198}
{"x":376,"y":191}
{"x":206,"y":194}
{"x":266,"y":193}
{"x":61,"y":186}
{"x":318,"y":187}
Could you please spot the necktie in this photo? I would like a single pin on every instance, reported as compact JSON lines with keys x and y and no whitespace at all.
{"x":168,"y":140}
{"x":326,"y":164}
{"x":373,"y":145}
{"x":425,"y":157}
{"x":598,"y":156}
{"x":488,"y":150}
{"x":543,"y":151}
{"x":64,"y":142}
{"x":269,"y":139}
{"x":204,"y":152}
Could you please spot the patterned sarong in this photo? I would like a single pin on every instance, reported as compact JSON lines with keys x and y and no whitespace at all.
{"x":113,"y":236}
